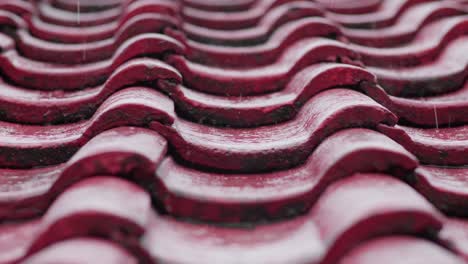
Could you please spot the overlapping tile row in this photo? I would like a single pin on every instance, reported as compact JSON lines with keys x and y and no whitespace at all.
{"x":425,"y":89}
{"x":251,"y":131}
{"x":421,"y":69}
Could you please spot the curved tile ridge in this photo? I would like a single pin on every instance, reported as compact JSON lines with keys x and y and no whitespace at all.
{"x":363,"y":6}
{"x":21,"y":105}
{"x":18,"y":7}
{"x":220,"y":5}
{"x":340,"y":217}
{"x":351,"y":7}
{"x":295,"y":241}
{"x":447,"y":73}
{"x":130,"y":152}
{"x":425,"y":47}
{"x":21,"y":139}
{"x":113,"y":209}
{"x":445,"y":187}
{"x":41,"y":50}
{"x":390,"y":206}
{"x":23,"y":146}
{"x":266,"y":12}
{"x":455,"y":234}
{"x":6,"y":42}
{"x":28,"y":43}
{"x":440,"y":110}
{"x":273,"y":108}
{"x":50,"y":76}
{"x":438,"y":146}
{"x":264,"y":148}
{"x":265,"y":53}
{"x":10,"y":19}
{"x":389,"y":11}
{"x":412,"y":250}
{"x":53,"y":15}
{"x":82,"y":250}
{"x":193,"y":194}
{"x":244,"y":37}
{"x":407,"y":26}
{"x":88,"y":5}
{"x":228,"y":20}
{"x":146,"y":22}
{"x":264,"y":79}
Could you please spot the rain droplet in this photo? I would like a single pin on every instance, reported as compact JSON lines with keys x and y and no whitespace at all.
{"x":78,"y":19}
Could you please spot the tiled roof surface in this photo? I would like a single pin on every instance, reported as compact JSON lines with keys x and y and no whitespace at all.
{"x":221,"y":131}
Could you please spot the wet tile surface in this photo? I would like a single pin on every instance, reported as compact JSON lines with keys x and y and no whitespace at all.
{"x":247,"y":131}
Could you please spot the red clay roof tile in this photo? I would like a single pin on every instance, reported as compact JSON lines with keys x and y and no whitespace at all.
{"x":284,"y":131}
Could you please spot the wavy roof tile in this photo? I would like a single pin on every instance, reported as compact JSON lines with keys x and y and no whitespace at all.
{"x":247,"y":131}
